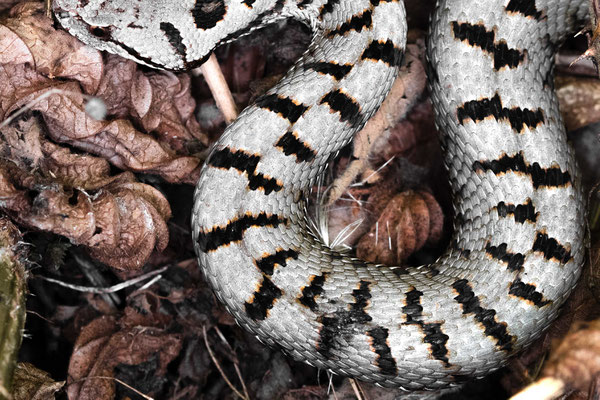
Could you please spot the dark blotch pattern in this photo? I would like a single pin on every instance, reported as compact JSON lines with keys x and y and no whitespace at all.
{"x":244,"y":162}
{"x":328,"y":7}
{"x":311,"y":292}
{"x":551,"y":248}
{"x":291,"y":145}
{"x":528,"y":292}
{"x":525,"y":7}
{"x":345,"y":105}
{"x":521,"y":212}
{"x":383,"y":51}
{"x":345,"y":323}
{"x":234,"y":230}
{"x":478,"y":36}
{"x":267,"y":264}
{"x":486,"y":317}
{"x":434,"y":336}
{"x":514,"y":261}
{"x":338,"y":71}
{"x":385,"y":361}
{"x":478,"y":110}
{"x":540,"y":177}
{"x":284,"y":106}
{"x":357,"y":23}
{"x":263,"y":300}
{"x":207,"y":13}
{"x":174,"y":37}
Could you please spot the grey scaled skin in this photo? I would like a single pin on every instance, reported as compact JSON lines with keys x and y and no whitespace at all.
{"x":517,"y":249}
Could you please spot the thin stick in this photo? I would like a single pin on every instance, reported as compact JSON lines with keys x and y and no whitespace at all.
{"x":235,"y":361}
{"x":214,"y":359}
{"x":116,"y":380}
{"x":544,"y":389}
{"x":356,"y":389}
{"x":219,"y":88}
{"x":111,"y":289}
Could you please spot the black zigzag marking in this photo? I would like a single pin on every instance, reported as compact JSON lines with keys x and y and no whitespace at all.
{"x":386,"y":52}
{"x":291,"y":145}
{"x":520,"y":212}
{"x":527,"y":292}
{"x":328,"y":7}
{"x":284,"y":106}
{"x":524,"y":7}
{"x":174,"y":37}
{"x":486,"y":317}
{"x":514,"y":261}
{"x":263,"y":300}
{"x":311,"y":292}
{"x":345,"y":105}
{"x":338,"y":71}
{"x":344,"y":323}
{"x":479,"y":110}
{"x":304,"y":3}
{"x":540,"y":177}
{"x":207,"y":13}
{"x":477,"y":35}
{"x":434,"y":336}
{"x":379,"y":344}
{"x":234,"y":230}
{"x":267,"y":263}
{"x":244,"y":162}
{"x":357,"y":23}
{"x":551,"y":248}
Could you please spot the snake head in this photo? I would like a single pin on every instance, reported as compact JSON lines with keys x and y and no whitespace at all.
{"x":129,"y":28}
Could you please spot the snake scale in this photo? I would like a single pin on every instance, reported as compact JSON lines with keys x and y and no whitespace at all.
{"x":517,"y":249}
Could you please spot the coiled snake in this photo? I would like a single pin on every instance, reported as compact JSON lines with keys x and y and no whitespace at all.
{"x":517,"y":249}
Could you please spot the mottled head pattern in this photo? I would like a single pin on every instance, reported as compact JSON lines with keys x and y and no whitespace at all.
{"x":138,"y":30}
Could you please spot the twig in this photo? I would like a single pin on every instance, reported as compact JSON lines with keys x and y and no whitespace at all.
{"x":235,"y":360}
{"x":544,"y":389}
{"x":357,"y":391}
{"x":214,"y":359}
{"x":116,"y":380}
{"x":111,"y":289}
{"x":219,"y":88}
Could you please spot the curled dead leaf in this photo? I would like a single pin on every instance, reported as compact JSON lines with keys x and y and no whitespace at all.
{"x":409,"y":221}
{"x":106,"y":343}
{"x":50,"y":188}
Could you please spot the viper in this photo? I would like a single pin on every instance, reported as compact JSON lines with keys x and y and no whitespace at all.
{"x":518,"y":243}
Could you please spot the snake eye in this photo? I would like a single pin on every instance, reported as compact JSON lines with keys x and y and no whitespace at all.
{"x":99,"y":32}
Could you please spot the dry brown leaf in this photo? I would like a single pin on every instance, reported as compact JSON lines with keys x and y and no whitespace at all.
{"x":47,"y":187}
{"x":104,"y":344}
{"x":159,"y":102}
{"x":30,"y":383}
{"x":409,"y":221}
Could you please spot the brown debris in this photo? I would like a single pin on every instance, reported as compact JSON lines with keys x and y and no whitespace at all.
{"x":47,"y":187}
{"x":409,"y":221}
{"x":159,"y":102}
{"x":579,"y":99}
{"x":402,"y":98}
{"x":102,"y":346}
{"x":592,"y":32}
{"x":576,"y":361}
{"x":31,"y":383}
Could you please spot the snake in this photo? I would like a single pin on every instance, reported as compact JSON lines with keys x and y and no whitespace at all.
{"x":517,"y":247}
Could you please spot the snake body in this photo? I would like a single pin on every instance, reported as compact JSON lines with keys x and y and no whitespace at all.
{"x":517,"y":249}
